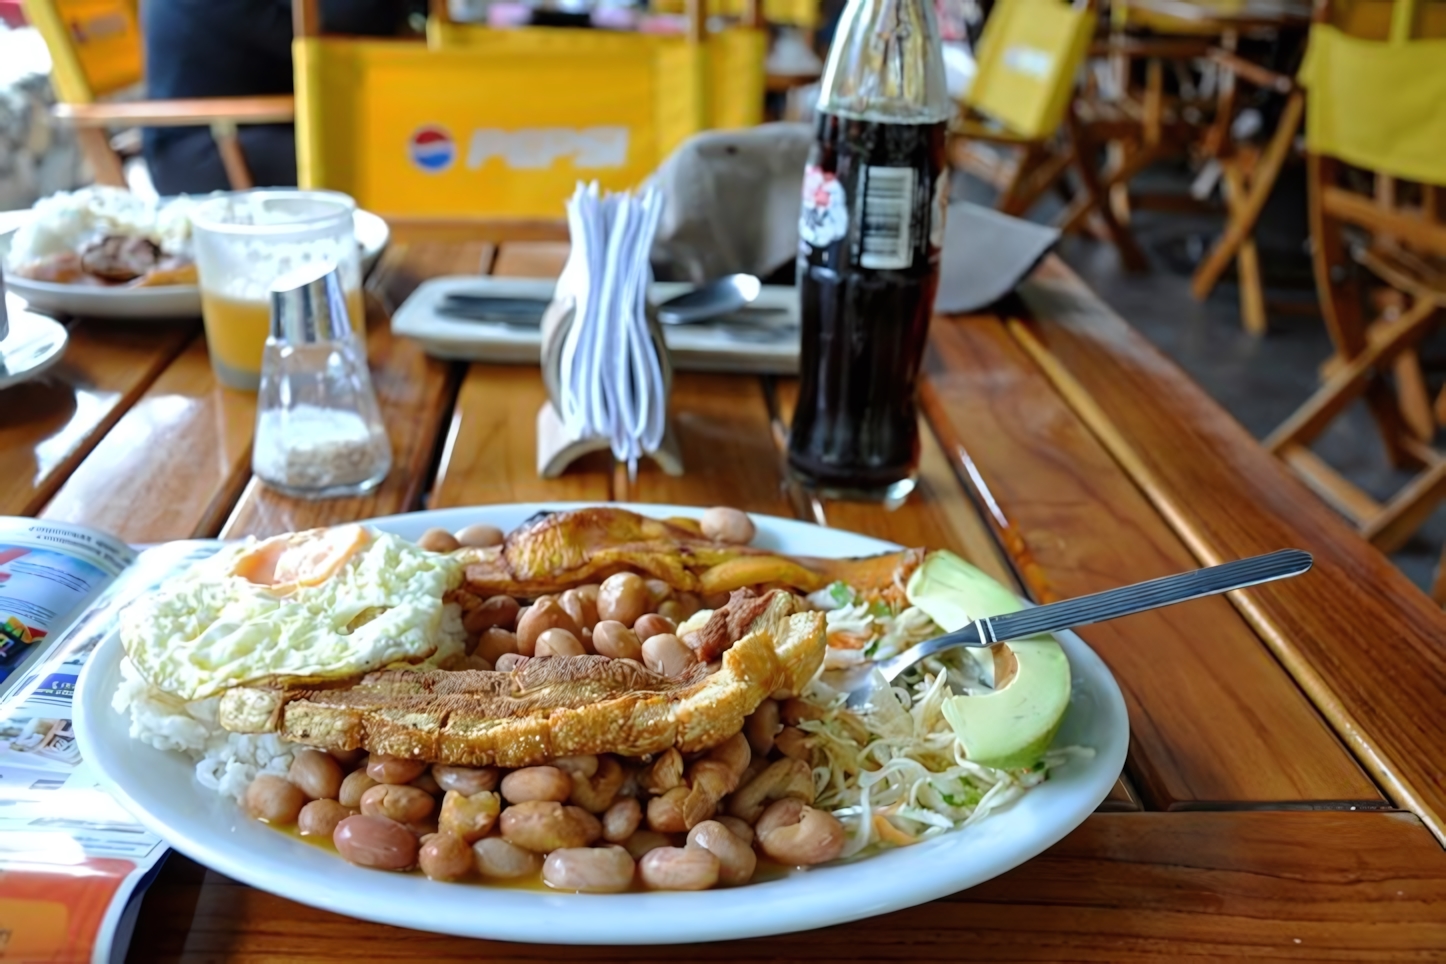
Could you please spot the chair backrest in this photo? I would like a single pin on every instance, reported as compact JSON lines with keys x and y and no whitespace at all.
{"x":1029,"y":57}
{"x":95,"y":46}
{"x":1379,"y":102}
{"x":484,"y":124}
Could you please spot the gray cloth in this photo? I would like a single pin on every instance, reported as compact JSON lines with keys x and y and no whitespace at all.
{"x":731,"y":202}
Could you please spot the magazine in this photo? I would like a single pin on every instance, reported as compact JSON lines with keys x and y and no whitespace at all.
{"x":73,"y":862}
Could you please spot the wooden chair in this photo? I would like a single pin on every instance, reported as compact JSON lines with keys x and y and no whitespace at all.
{"x":95,"y":46}
{"x":1373,"y":108}
{"x":1022,"y":99}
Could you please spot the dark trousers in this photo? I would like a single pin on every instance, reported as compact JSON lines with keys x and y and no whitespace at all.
{"x":186,"y":161}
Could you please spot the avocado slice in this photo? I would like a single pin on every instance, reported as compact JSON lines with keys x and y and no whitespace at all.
{"x":1013,"y":725}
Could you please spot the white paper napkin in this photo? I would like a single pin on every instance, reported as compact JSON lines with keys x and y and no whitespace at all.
{"x":610,"y":379}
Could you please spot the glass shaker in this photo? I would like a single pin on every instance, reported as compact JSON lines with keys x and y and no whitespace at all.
{"x":319,"y":432}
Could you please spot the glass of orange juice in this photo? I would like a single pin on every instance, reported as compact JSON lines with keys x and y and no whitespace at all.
{"x":244,"y":241}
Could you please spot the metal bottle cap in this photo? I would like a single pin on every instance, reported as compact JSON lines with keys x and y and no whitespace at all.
{"x":308,"y":305}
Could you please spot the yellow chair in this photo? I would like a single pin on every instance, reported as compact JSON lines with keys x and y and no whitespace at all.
{"x":484,"y":133}
{"x":1378,"y":105}
{"x":95,"y":46}
{"x":1022,"y":99}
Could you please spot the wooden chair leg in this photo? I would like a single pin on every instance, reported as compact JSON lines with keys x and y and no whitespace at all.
{"x":1247,"y":260}
{"x":1438,"y":589}
{"x":1010,"y":197}
{"x":105,"y":164}
{"x":1094,"y":198}
{"x":1262,"y":182}
{"x":1414,"y":396}
{"x":228,"y":145}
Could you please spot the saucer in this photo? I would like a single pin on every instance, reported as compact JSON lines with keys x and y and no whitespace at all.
{"x":34,"y":345}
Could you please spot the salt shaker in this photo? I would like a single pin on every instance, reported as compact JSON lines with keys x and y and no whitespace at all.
{"x":319,"y":432}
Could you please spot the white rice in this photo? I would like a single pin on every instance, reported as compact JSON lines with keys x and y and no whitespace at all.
{"x":225,"y":762}
{"x":69,"y":220}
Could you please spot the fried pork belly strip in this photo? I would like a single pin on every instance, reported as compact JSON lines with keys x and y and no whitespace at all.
{"x":550,"y":707}
{"x":567,"y":549}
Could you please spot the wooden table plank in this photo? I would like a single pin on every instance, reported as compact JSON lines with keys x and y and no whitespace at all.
{"x":1123,"y":887}
{"x":530,"y":259}
{"x":725,"y":433}
{"x":1075,"y":524}
{"x":47,"y":426}
{"x":1366,"y":644}
{"x":173,"y":466}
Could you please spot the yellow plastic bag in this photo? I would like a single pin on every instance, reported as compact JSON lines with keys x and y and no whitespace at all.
{"x":1028,"y":58}
{"x":1380,"y":105}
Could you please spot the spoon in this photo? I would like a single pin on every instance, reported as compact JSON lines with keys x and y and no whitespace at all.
{"x":860,"y":682}
{"x":715,"y":299}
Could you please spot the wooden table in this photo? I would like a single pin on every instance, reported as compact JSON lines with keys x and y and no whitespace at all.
{"x":1284,"y":794}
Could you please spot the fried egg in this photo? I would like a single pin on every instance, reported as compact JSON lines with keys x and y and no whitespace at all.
{"x":323,"y":604}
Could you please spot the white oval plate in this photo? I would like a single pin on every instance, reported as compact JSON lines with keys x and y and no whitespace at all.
{"x":34,"y":346}
{"x":163,"y":302}
{"x":159,"y":789}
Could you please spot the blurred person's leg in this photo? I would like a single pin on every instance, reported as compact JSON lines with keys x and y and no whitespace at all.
{"x":186,"y":161}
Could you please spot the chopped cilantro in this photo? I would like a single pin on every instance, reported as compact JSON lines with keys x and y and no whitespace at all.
{"x":880,"y":609}
{"x":840,"y":593}
{"x":969,"y":798}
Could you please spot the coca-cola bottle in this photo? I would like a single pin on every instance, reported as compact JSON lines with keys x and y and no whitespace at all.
{"x":875,"y":192}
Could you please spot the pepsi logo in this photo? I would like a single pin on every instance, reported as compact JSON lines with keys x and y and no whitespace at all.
{"x":432,"y":149}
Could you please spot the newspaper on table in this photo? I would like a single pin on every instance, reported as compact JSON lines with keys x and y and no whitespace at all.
{"x":73,"y":862}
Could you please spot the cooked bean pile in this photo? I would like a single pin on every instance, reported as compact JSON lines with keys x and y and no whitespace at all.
{"x":592,"y":824}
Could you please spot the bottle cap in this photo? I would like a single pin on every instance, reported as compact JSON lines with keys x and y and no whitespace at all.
{"x":308,"y":305}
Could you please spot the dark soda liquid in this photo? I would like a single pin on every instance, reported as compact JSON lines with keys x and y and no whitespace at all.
{"x":855,"y":430}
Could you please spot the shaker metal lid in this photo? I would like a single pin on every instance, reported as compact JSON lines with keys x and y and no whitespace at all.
{"x":308,"y":305}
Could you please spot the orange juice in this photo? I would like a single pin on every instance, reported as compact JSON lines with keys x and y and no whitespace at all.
{"x":236,"y":333}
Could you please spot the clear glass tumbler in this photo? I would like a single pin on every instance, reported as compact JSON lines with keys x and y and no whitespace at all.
{"x":246,"y":240}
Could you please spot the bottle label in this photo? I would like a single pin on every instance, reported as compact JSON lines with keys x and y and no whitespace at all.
{"x":887,"y":234}
{"x":825,"y":216}
{"x":941,"y":209}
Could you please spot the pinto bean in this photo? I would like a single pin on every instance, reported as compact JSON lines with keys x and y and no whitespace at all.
{"x":469,"y":816}
{"x":581,"y":765}
{"x":589,"y":870}
{"x":356,"y":783}
{"x":651,"y":624}
{"x":507,"y":662}
{"x":501,"y":860}
{"x":320,"y":817}
{"x":479,"y":535}
{"x":665,"y":773}
{"x":546,"y":825}
{"x":794,"y":711}
{"x":392,"y":769}
{"x":536,"y":783}
{"x":643,"y":841}
{"x":400,"y":803}
{"x":272,"y":798}
{"x":793,"y":742}
{"x":666,"y":813}
{"x":495,"y":643}
{"x":581,"y":607}
{"x":546,"y":613}
{"x":780,"y":779}
{"x":679,"y":868}
{"x":317,"y":774}
{"x":667,"y":654}
{"x":371,"y":841}
{"x":623,"y":597}
{"x":496,"y":612}
{"x":612,"y":639}
{"x":465,"y":780}
{"x":349,"y":759}
{"x":438,"y":540}
{"x":620,"y":821}
{"x":559,"y":642}
{"x":596,"y":793}
{"x":736,"y":859}
{"x":796,"y":834}
{"x":762,"y":726}
{"x":724,"y":524}
{"x":427,"y":784}
{"x":740,"y":829}
{"x":445,"y":856}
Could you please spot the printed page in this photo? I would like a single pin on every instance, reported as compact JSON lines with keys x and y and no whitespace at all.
{"x":48,"y":574}
{"x":72,"y":860}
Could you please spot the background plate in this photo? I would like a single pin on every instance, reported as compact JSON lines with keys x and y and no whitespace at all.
{"x":159,"y":789}
{"x":162,"y":302}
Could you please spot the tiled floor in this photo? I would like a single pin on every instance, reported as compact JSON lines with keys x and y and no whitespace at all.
{"x":1259,"y":380}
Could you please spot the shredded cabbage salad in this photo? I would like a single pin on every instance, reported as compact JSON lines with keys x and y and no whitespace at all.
{"x":896,"y":773}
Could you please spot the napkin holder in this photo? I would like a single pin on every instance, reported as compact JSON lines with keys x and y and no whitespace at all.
{"x":557,"y":447}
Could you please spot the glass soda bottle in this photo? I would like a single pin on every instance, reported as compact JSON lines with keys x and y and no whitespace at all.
{"x":875,"y":193}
